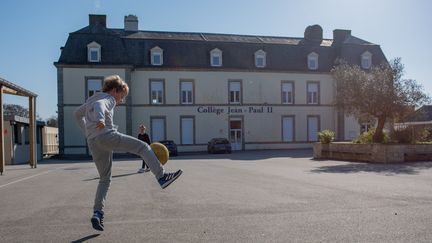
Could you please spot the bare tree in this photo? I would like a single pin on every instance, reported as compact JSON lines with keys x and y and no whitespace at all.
{"x":379,"y":93}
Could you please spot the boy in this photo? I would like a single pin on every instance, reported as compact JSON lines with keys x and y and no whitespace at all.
{"x":143,"y":136}
{"x":95,"y":118}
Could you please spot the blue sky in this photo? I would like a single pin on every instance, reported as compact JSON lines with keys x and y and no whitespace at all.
{"x":32,"y":32}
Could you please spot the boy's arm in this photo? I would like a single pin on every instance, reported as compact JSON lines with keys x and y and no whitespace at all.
{"x":99,"y":109}
{"x":80,"y":117}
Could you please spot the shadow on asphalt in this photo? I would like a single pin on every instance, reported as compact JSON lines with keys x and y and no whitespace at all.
{"x":85,"y":238}
{"x":250,"y":155}
{"x":235,"y":155}
{"x":114,"y":176}
{"x":387,"y":169}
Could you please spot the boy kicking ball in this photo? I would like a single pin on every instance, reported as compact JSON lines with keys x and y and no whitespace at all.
{"x":95,"y":118}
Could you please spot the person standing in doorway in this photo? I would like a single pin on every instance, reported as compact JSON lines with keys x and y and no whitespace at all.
{"x":143,"y":136}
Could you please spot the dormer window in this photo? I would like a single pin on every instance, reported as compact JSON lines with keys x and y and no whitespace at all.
{"x":94,"y":52}
{"x":312,"y":61}
{"x":366,"y":60}
{"x":260,"y":59}
{"x":156,"y":54}
{"x":216,"y":58}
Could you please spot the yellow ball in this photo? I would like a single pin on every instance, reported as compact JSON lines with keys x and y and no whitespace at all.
{"x":161,"y":152}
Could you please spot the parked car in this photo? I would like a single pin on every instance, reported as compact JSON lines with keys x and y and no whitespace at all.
{"x":171,"y":146}
{"x":219,"y":145}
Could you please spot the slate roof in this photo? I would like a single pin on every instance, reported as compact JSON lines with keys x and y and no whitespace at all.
{"x":192,"y":50}
{"x":423,"y":114}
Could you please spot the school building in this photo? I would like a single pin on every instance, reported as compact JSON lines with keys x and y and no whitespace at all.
{"x":260,"y":92}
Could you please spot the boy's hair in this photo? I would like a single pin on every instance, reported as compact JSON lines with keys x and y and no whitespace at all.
{"x":114,"y":82}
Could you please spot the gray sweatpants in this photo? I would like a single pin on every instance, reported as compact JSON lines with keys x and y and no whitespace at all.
{"x":102,"y":147}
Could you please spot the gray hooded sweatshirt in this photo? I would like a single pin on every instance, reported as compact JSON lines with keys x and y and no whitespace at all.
{"x":99,"y":107}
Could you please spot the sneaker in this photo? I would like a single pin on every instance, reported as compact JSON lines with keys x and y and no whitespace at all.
{"x":143,"y":170}
{"x":169,"y":178}
{"x":97,"y":220}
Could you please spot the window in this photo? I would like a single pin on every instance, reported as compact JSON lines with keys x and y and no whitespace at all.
{"x":288,"y":129}
{"x":93,"y":86}
{"x":156,"y":54}
{"x":287,"y":92}
{"x":260,"y":58}
{"x":26,"y":135}
{"x":157,"y":92}
{"x":186,"y":90}
{"x":234,"y":92}
{"x":216,"y":58}
{"x":313,"y":61}
{"x":94,"y":52}
{"x":366,"y":60}
{"x":187,"y":130}
{"x":17,"y":134}
{"x":313,"y":93}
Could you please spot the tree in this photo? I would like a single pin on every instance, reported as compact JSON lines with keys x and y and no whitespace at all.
{"x":52,"y":121}
{"x":17,"y":110}
{"x":380,"y":93}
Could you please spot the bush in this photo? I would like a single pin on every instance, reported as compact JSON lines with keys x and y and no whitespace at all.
{"x":403,"y":136}
{"x":367,"y":137}
{"x":326,"y":136}
{"x":412,"y":135}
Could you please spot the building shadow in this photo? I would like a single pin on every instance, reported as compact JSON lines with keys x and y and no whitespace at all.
{"x":114,"y":176}
{"x":387,"y":169}
{"x":85,"y":238}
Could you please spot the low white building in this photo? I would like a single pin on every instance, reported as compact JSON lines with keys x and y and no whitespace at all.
{"x":260,"y":92}
{"x":17,"y":140}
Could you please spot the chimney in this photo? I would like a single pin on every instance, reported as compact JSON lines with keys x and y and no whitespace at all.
{"x":313,"y":33}
{"x":339,"y":36}
{"x":95,"y":19}
{"x":131,"y":23}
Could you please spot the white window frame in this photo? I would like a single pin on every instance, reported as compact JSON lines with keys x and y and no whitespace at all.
{"x":92,"y":85}
{"x":260,"y":54}
{"x":234,"y":92}
{"x":186,"y":92}
{"x":313,"y":96}
{"x":287,"y":92}
{"x":93,"y":47}
{"x":216,"y":53}
{"x":156,"y":52}
{"x":157,"y":92}
{"x":312,"y":61}
{"x":366,"y":60}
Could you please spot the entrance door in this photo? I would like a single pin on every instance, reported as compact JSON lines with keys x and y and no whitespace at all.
{"x":236,"y":134}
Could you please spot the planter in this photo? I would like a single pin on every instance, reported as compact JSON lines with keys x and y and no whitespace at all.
{"x":377,"y":153}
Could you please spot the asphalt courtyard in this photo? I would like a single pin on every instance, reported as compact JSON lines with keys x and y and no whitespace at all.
{"x":254,"y":196}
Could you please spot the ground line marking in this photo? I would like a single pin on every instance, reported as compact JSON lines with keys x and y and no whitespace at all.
{"x":29,"y":177}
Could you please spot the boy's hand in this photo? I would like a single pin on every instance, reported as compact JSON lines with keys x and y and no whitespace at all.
{"x":100,"y":125}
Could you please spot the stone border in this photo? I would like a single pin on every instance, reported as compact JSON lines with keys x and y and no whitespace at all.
{"x":376,"y":153}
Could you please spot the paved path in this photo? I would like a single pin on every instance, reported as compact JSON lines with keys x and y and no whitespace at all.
{"x":255,"y":196}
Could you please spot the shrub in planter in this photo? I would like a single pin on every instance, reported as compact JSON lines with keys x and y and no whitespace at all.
{"x":403,"y":136}
{"x":326,"y":136}
{"x":367,"y":137}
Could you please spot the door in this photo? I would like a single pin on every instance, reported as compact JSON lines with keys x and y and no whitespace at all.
{"x":236,"y":134}
{"x":313,"y":128}
{"x":157,"y":129}
{"x":187,"y":130}
{"x":288,"y":129}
